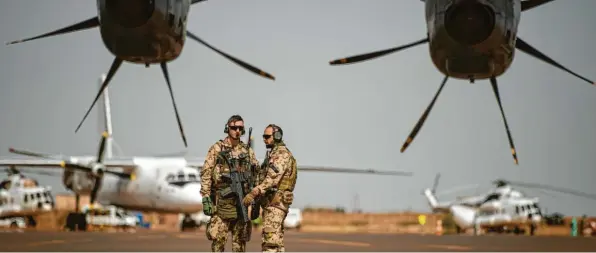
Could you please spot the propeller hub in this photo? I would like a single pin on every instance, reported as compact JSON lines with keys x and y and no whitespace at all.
{"x":470,"y":22}
{"x":97,"y":169}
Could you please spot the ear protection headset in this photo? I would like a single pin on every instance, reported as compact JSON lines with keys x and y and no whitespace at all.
{"x":278,"y":133}
{"x":234,"y":118}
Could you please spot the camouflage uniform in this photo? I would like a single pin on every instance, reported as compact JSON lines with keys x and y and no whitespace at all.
{"x":225,"y":216}
{"x":276,"y":185}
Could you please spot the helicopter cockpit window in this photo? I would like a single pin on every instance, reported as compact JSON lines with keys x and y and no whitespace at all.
{"x":494,"y":196}
{"x":170,"y":177}
{"x":5,"y":184}
{"x":192,"y":177}
{"x":181,"y":176}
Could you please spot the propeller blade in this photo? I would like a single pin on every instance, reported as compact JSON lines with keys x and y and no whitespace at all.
{"x":69,"y":165}
{"x":493,"y":83}
{"x":423,"y":118}
{"x":197,"y":1}
{"x":102,"y":147}
{"x":29,"y":153}
{"x":530,"y":4}
{"x":115,"y":65}
{"x":87,"y":24}
{"x":96,"y":186}
{"x":121,"y":175}
{"x":231,"y":58}
{"x":164,"y":69}
{"x":528,"y":49}
{"x":369,"y":56}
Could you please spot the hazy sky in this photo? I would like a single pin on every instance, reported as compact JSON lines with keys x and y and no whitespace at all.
{"x":352,"y":116}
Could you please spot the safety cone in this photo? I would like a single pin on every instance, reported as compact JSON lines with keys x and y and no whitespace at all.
{"x":439,"y":228}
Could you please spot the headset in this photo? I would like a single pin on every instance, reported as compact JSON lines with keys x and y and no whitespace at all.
{"x":278,"y":133}
{"x":234,"y":118}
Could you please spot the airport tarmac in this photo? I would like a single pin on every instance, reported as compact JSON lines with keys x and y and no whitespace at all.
{"x":295,"y":241}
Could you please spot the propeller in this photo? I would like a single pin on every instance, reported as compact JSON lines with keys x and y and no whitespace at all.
{"x":94,"y":168}
{"x":94,"y":22}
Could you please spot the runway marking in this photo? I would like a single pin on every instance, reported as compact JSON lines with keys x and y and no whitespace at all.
{"x":46,"y":242}
{"x":344,"y":243}
{"x":189,"y":236}
{"x":151,"y":236}
{"x":449,"y":247}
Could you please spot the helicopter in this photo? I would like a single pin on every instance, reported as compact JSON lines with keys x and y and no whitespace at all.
{"x":502,"y":209}
{"x":22,"y":196}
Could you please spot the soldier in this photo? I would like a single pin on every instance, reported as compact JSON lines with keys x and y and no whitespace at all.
{"x":217,"y":203}
{"x":275,"y":189}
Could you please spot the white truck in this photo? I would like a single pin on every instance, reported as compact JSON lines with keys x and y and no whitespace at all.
{"x":13,"y":222}
{"x":110,"y":216}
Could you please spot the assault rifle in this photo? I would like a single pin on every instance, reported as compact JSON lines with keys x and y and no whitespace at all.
{"x":238,"y":179}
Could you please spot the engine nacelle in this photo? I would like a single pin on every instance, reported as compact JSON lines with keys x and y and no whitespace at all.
{"x":78,"y":181}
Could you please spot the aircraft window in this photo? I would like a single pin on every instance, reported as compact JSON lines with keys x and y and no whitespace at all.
{"x":38,"y":195}
{"x":516,"y":209}
{"x":181,"y":177}
{"x":26,"y":199}
{"x":192,"y":177}
{"x":170,"y":177}
{"x":118,"y":215}
{"x":32,"y":196}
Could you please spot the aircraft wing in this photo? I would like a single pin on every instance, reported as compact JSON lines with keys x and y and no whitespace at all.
{"x":198,"y":163}
{"x":47,"y":163}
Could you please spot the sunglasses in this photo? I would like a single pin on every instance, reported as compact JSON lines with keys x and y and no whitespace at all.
{"x":266,"y":136}
{"x":235,"y":128}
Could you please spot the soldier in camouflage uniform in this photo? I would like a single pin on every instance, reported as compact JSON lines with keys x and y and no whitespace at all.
{"x":274,"y":189}
{"x":216,"y":203}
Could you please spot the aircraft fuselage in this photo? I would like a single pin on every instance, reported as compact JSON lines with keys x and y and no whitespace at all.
{"x":151,"y":190}
{"x":144,"y":31}
{"x":472,"y":39}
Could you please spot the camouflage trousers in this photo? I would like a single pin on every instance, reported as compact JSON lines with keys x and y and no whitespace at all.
{"x":218,"y":230}
{"x":273,"y":230}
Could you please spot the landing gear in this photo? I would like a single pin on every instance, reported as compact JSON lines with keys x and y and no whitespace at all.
{"x":188,"y":223}
{"x":76,"y":222}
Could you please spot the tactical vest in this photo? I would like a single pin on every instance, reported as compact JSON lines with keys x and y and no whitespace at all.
{"x":225,"y":200}
{"x":287,"y":183}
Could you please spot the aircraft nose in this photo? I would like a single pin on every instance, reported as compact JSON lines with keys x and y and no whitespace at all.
{"x":192,"y":197}
{"x":470,"y":22}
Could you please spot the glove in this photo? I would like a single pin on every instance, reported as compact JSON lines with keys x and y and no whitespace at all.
{"x":207,"y":206}
{"x":288,"y":197}
{"x":250,"y":197}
